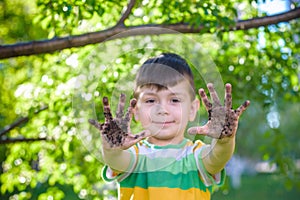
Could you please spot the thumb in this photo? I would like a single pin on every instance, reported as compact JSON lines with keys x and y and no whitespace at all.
{"x":201,"y":130}
{"x":142,"y":135}
{"x":96,"y":124}
{"x":135,"y":138}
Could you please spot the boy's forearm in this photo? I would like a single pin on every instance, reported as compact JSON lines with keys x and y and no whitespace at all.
{"x":216,"y":155}
{"x":117,"y":159}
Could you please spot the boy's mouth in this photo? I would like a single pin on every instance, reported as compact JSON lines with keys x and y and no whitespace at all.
{"x":163,"y":123}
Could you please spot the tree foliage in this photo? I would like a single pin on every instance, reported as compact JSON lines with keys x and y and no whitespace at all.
{"x":43,"y":153}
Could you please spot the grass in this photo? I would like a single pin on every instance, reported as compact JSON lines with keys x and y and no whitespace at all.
{"x":261,"y":186}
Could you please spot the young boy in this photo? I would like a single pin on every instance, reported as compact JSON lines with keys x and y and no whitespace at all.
{"x":159,"y":163}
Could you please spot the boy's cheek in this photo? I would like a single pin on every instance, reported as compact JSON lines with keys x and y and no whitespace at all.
{"x":194,"y":109}
{"x":139,"y":114}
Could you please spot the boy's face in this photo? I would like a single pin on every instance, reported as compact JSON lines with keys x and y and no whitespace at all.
{"x":165,"y":113}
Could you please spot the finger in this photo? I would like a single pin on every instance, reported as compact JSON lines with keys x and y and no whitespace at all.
{"x":106,"y":108}
{"x":228,"y":97}
{"x":121,"y":104}
{"x":142,"y":135}
{"x":202,"y":130}
{"x":213,"y":94}
{"x":96,"y":124}
{"x":204,"y":99}
{"x":242,"y":108}
{"x":138,"y":137}
{"x":128,"y":114}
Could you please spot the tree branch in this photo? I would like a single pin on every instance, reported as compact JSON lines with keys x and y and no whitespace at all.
{"x":18,"y":122}
{"x":49,"y":46}
{"x":126,"y":13}
{"x":15,"y":140}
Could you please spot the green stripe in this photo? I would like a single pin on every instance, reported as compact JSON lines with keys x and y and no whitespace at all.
{"x":164,"y":179}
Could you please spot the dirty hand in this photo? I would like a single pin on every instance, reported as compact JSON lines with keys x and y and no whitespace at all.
{"x":115,"y":132}
{"x":222,"y":120}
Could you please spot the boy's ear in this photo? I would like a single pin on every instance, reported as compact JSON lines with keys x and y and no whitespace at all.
{"x":194,"y":109}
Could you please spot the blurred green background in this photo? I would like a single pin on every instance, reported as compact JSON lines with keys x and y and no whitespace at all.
{"x":47,"y":149}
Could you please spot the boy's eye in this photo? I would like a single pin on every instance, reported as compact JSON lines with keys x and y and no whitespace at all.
{"x":175,"y":100}
{"x":150,"y":101}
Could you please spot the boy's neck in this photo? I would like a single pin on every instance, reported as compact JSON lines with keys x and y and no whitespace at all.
{"x":160,"y":142}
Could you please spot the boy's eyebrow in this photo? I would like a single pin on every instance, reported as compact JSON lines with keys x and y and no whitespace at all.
{"x":177,"y":93}
{"x":149,"y":93}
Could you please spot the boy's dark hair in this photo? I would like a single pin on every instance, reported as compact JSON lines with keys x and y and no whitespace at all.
{"x":163,"y":71}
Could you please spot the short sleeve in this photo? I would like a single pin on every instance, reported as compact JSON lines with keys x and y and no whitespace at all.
{"x":208,"y":179}
{"x":109,"y":175}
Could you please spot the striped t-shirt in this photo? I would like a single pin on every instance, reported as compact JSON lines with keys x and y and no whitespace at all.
{"x":165,"y":172}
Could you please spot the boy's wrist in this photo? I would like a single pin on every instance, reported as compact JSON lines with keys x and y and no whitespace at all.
{"x":226,"y":139}
{"x":111,"y":150}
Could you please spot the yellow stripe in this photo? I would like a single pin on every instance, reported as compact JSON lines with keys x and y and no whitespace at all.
{"x":162,"y":193}
{"x":198,"y":144}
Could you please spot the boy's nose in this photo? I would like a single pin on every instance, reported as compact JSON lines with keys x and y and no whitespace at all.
{"x":162,"y":109}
